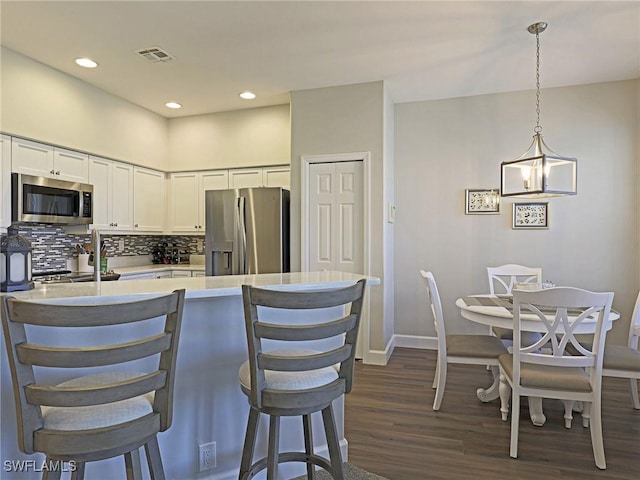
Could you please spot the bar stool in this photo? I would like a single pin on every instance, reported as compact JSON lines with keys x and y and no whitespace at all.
{"x":297,"y":381}
{"x":109,"y":413}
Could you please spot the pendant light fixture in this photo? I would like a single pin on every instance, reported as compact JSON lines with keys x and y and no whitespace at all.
{"x":539,"y":172}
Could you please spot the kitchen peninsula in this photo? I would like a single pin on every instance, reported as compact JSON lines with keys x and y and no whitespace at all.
{"x":208,"y":403}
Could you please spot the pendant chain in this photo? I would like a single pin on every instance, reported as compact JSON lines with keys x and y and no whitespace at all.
{"x":537,"y":128}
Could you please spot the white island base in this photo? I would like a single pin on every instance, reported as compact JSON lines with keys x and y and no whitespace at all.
{"x":208,"y":403}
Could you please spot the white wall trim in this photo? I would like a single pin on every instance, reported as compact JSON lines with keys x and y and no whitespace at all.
{"x":416,"y":341}
{"x":365,"y":158}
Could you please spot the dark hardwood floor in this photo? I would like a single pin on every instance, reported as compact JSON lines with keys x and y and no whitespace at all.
{"x":393,"y":431}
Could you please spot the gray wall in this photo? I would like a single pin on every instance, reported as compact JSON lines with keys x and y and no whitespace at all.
{"x":341,"y":120}
{"x":46,"y":105}
{"x":443,"y":147}
{"x":251,"y":137}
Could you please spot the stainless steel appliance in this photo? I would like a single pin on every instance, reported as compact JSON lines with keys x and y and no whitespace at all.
{"x":247,"y":231}
{"x":46,"y":200}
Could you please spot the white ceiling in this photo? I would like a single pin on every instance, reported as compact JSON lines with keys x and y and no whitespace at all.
{"x":421,"y":49}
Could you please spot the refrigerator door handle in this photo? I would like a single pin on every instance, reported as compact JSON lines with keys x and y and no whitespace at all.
{"x":241,"y":235}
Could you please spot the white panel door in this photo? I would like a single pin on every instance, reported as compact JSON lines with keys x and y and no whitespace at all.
{"x":336,"y":217}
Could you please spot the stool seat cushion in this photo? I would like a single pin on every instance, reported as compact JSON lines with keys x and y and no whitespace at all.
{"x":276,"y":380}
{"x":97,"y":416}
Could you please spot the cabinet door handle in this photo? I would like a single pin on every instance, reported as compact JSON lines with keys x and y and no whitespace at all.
{"x":52,"y":172}
{"x":136,"y":225}
{"x":58,"y":172}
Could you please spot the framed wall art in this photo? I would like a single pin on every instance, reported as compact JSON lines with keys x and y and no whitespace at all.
{"x":531,"y":215}
{"x":481,"y":201}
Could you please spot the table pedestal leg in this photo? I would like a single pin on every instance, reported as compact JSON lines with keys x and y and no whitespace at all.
{"x":491,"y":393}
{"x":535,"y":411}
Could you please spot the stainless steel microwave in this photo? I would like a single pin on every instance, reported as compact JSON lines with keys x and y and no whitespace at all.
{"x":46,"y":200}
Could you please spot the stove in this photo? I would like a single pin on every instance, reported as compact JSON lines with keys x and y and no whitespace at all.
{"x":67,"y":276}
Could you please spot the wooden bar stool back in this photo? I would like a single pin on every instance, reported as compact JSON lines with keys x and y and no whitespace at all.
{"x":297,"y":381}
{"x":112,"y":411}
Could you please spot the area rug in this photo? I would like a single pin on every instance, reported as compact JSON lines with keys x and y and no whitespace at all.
{"x":350,"y":473}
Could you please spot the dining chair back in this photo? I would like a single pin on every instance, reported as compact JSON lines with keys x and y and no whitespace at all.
{"x":502,"y":279}
{"x":624,"y":361}
{"x":461,"y":349}
{"x":545,"y":368}
{"x":125,"y":401}
{"x":282,"y":379}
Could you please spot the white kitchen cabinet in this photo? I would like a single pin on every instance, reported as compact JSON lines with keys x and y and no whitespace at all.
{"x":260,"y":177}
{"x":277,"y":177}
{"x":148,"y":199}
{"x":187,"y":198}
{"x":181,"y":274}
{"x":198,"y":273}
{"x":112,"y":194}
{"x":5,"y":181}
{"x":245,"y":177}
{"x":43,"y":160}
{"x":138,"y":276}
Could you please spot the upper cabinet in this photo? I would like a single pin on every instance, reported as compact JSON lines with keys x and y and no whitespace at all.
{"x":112,"y":194}
{"x":187,"y":192}
{"x":43,"y":160}
{"x":148,"y":199}
{"x":5,"y":181}
{"x":259,"y":177}
{"x":277,"y":177}
{"x":245,"y":178}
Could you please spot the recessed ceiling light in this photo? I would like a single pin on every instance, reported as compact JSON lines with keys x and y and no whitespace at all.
{"x":248,"y":95}
{"x":173,"y":105}
{"x":86,"y":62}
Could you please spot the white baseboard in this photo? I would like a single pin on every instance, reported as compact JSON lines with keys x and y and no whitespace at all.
{"x":381,"y":357}
{"x":415,"y":341}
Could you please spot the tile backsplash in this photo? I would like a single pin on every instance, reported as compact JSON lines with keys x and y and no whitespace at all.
{"x":52,"y":246}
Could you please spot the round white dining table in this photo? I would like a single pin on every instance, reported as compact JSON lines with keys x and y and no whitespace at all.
{"x":497,"y":311}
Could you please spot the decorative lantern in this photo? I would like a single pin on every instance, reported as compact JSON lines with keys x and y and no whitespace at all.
{"x":539,"y":172}
{"x":15,"y":262}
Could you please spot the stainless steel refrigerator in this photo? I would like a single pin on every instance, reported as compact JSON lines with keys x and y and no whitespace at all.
{"x":247,"y":231}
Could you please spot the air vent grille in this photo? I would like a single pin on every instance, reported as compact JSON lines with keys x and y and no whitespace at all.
{"x":155,"y":55}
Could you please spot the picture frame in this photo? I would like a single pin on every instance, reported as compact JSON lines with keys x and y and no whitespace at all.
{"x":531,"y":215}
{"x":482,"y":201}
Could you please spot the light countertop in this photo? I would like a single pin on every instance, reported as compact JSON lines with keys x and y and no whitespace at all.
{"x":196,"y":287}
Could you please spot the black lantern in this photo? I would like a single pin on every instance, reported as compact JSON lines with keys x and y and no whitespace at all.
{"x":15,"y":262}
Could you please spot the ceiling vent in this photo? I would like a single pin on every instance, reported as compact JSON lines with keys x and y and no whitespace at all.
{"x":155,"y":55}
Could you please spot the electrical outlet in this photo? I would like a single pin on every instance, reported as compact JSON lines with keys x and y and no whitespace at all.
{"x":207,"y":456}
{"x":121,"y":245}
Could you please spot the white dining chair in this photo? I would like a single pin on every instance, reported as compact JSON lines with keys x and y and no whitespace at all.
{"x":556,"y":373}
{"x":624,"y":361}
{"x":503,"y":279}
{"x":461,"y":349}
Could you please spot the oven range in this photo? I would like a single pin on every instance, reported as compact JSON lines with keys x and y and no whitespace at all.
{"x":67,"y":276}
